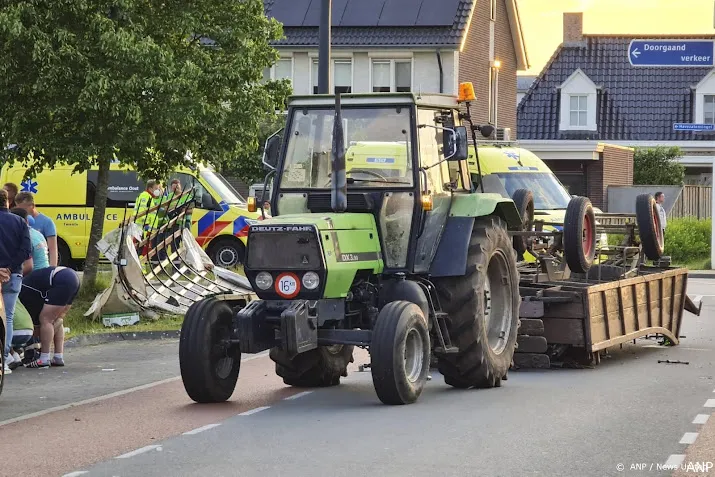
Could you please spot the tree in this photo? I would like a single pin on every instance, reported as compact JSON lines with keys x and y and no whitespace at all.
{"x":83,"y":82}
{"x":658,"y":166}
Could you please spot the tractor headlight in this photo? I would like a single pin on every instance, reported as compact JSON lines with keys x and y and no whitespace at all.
{"x":264,"y":280}
{"x":311,"y":280}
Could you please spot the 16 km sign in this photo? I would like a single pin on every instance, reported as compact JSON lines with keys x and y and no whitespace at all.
{"x":671,"y":53}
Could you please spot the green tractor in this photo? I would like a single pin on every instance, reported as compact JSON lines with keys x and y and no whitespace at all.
{"x":407,"y":265}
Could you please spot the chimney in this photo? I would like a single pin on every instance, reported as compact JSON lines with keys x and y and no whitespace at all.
{"x":573,"y":27}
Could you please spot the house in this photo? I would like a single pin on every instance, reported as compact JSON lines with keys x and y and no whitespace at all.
{"x":523,"y":83}
{"x":590,"y":93}
{"x":408,"y":45}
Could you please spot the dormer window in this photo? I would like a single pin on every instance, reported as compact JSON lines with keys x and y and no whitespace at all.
{"x":709,"y":108}
{"x":705,"y":100}
{"x":578,"y":103}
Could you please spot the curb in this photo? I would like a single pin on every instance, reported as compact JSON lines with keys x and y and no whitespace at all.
{"x":103,"y":338}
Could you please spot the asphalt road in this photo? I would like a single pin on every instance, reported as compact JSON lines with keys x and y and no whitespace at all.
{"x":630,"y":411}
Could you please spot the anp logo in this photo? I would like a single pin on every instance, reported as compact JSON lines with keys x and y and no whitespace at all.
{"x":29,"y":186}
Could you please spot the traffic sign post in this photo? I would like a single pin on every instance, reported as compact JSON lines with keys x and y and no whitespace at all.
{"x":693,"y":127}
{"x":672,"y":53}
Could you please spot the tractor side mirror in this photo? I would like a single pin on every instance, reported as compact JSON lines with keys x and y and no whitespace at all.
{"x":455,"y":144}
{"x":270,"y":152}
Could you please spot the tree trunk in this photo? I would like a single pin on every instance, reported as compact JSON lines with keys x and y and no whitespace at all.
{"x":97,"y":229}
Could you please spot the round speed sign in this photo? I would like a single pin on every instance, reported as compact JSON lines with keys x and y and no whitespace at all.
{"x":287,"y":285}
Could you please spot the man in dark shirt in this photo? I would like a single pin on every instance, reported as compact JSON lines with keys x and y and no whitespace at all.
{"x":15,"y":248}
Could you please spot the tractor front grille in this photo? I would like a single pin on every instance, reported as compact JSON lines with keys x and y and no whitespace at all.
{"x":283,"y":248}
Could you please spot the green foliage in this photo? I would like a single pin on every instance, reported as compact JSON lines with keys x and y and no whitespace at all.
{"x":658,"y":166}
{"x":688,"y":239}
{"x":84,"y":80}
{"x":249,"y":165}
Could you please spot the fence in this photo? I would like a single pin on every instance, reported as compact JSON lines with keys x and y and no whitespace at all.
{"x":693,"y":201}
{"x":680,"y":201}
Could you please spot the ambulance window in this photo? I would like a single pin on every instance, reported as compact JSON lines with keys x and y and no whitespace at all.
{"x":204,"y":200}
{"x":124,"y":188}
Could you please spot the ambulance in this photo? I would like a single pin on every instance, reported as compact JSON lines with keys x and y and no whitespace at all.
{"x":220,"y":219}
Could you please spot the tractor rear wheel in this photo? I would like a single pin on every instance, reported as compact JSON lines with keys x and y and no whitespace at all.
{"x":400,"y":353}
{"x":483,"y":309}
{"x":208,"y":359}
{"x":320,"y":367}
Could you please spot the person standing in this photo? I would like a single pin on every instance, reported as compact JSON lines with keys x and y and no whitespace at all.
{"x":659,"y":200}
{"x":42,"y":223}
{"x":40,"y":253}
{"x":15,"y":248}
{"x":12,"y":190}
{"x":147,"y":200}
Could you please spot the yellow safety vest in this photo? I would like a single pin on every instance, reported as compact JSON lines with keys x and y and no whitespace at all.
{"x":144,"y":202}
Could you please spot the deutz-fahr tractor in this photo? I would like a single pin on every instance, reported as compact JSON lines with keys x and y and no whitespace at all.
{"x":409,"y":262}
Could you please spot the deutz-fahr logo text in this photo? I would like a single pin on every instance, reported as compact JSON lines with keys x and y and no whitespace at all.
{"x":281,"y":228}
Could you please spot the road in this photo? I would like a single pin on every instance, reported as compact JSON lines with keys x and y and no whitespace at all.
{"x":630,"y":410}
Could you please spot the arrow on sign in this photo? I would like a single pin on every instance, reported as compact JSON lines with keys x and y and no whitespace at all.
{"x":636,"y":53}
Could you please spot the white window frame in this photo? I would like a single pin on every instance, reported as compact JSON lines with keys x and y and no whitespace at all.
{"x":578,"y":110}
{"x":313,"y":57}
{"x":272,"y":69}
{"x":393,"y":71}
{"x":705,"y":99}
{"x":578,"y":84}
{"x":705,"y":88}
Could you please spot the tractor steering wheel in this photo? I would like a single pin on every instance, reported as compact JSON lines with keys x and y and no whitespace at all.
{"x":364,"y":171}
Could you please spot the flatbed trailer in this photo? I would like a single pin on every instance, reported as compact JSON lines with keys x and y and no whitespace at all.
{"x":570,"y":319}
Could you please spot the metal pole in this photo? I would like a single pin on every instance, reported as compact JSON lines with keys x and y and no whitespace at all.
{"x":324,"y":51}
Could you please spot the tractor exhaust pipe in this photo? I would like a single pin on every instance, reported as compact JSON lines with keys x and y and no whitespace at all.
{"x":339,"y":191}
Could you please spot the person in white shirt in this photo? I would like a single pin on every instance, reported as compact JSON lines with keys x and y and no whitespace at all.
{"x":659,"y":199}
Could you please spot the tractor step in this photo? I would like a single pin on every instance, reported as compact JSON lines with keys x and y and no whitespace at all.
{"x":448,"y":350}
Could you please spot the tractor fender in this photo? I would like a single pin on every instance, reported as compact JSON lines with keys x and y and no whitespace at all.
{"x":450,"y":260}
{"x":401,"y":289}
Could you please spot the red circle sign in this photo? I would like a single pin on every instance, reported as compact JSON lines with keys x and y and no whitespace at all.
{"x":287,"y":285}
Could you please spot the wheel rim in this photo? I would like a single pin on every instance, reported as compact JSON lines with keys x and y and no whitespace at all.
{"x":414,"y":352}
{"x":497,"y":303}
{"x":221,"y":359}
{"x":227,"y":256}
{"x":588,"y":238}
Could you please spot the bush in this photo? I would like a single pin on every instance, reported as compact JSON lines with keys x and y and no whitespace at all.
{"x":688,"y":239}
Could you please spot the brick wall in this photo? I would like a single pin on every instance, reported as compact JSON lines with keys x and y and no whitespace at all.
{"x":573,"y":27}
{"x":617,"y":163}
{"x":474,"y":64}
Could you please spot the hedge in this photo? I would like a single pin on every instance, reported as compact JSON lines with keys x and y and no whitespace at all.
{"x":686,"y":239}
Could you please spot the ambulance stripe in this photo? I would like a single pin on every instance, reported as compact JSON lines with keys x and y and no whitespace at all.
{"x":240,"y":227}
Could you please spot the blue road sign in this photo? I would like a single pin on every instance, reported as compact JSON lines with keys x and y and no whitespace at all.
{"x":671,"y":52}
{"x":693,"y":127}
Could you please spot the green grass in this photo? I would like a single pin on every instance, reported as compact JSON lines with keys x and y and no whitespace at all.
{"x":83,"y":325}
{"x":697,"y":264}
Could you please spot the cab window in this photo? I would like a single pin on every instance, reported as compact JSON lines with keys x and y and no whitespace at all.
{"x":204,"y":200}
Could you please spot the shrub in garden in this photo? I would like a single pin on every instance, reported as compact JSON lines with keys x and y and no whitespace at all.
{"x":688,"y":239}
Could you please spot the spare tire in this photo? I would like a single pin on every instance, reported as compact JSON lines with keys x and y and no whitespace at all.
{"x":524,"y":201}
{"x":579,"y":235}
{"x":650,"y":229}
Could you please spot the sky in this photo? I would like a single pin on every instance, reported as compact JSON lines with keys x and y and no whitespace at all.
{"x":542,"y":21}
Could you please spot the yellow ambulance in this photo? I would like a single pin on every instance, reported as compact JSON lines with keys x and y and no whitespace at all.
{"x":220,"y":220}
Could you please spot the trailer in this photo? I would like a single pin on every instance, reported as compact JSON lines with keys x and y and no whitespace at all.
{"x":569,"y":319}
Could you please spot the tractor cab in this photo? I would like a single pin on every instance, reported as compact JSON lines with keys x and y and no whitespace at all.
{"x":404,"y":158}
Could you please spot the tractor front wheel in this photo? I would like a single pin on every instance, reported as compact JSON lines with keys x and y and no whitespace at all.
{"x":209,"y":359}
{"x":320,"y":367}
{"x":400,"y":353}
{"x":483,"y":310}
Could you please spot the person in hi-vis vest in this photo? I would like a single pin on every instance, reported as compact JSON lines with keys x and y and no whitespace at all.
{"x":148,"y":199}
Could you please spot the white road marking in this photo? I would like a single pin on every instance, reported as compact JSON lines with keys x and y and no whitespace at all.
{"x":139,"y":451}
{"x":201,"y":429}
{"x":75,"y":474}
{"x":296,"y":396}
{"x":701,"y":419}
{"x":674,"y":461}
{"x":107,"y":396}
{"x":709,"y":403}
{"x":253,"y":411}
{"x":688,"y":438}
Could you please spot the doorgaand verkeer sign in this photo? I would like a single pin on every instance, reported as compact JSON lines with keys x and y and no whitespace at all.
{"x":671,"y":52}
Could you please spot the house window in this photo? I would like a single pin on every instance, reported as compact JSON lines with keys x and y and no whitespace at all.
{"x":578,"y":110}
{"x":391,"y":76}
{"x":283,"y":69}
{"x":709,"y":109}
{"x":342,"y":76}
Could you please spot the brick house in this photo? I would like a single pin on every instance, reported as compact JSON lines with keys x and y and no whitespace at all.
{"x":408,"y":45}
{"x":590,"y":93}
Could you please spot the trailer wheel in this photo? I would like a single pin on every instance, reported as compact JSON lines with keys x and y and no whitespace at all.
{"x":524,"y":201}
{"x":320,"y":367}
{"x":209,"y":362}
{"x":650,"y":230}
{"x":483,"y":309}
{"x":580,"y":235}
{"x":400,"y":353}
